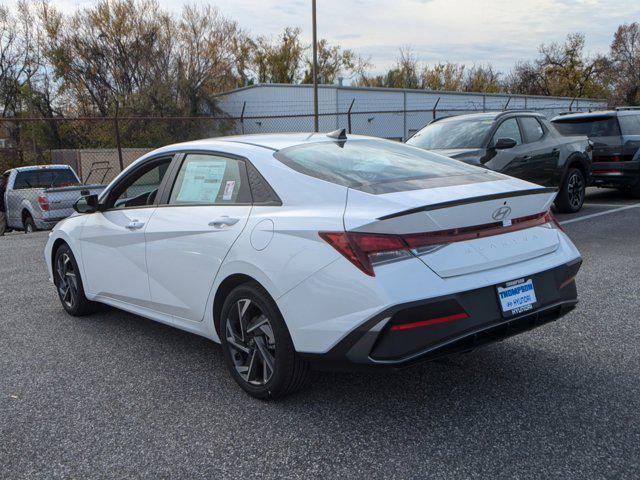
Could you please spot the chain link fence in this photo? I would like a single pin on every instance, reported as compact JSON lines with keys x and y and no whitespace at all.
{"x":98,"y":148}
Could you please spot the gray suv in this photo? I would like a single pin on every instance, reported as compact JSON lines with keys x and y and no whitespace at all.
{"x":616,"y":145}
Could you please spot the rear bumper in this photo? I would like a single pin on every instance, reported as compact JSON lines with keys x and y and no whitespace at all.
{"x":616,"y":174}
{"x":375,"y":344}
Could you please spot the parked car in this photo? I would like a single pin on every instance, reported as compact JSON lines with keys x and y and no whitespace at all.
{"x":303,"y":248}
{"x":616,"y":150}
{"x":37,"y":197}
{"x":518,"y":143}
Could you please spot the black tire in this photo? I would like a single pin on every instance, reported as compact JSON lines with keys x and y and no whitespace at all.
{"x":66,"y":276}
{"x":571,"y":196}
{"x":254,"y":335}
{"x":28,"y":224}
{"x":633,"y":192}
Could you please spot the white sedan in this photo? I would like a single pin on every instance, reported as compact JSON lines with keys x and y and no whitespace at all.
{"x":297,"y":249}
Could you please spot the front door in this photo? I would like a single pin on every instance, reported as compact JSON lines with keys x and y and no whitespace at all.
{"x":512,"y":161}
{"x":189,"y":236}
{"x":113,"y":241}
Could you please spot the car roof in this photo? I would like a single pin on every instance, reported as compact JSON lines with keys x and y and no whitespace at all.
{"x":585,"y":115}
{"x":488,"y":115}
{"x":273,"y":141}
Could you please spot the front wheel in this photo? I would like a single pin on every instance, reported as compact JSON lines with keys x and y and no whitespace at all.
{"x":257,"y":346}
{"x":66,"y":275}
{"x":572,"y":193}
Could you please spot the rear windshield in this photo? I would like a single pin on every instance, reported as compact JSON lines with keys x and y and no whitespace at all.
{"x":446,"y":134}
{"x":378,"y":166}
{"x":45,"y":178}
{"x":591,"y":127}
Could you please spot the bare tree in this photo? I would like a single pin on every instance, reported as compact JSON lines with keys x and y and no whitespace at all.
{"x":333,"y":61}
{"x":212,"y":56}
{"x":19,"y":57}
{"x":624,"y":65}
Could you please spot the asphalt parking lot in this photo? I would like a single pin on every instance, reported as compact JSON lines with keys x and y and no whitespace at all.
{"x":115,"y":395}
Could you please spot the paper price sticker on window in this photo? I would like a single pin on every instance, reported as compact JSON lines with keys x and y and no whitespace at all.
{"x":228,"y":190}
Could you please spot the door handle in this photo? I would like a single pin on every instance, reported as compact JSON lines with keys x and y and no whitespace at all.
{"x":224,"y":220}
{"x":135,"y":225}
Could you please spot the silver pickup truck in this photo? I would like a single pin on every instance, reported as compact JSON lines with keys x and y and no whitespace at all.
{"x":37,"y":197}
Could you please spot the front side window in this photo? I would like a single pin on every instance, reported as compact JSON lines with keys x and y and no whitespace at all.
{"x":141,"y":189}
{"x":210,"y":180}
{"x":589,"y":126}
{"x":533,"y":131}
{"x":378,"y":166}
{"x":454,"y":133}
{"x":508,"y":129}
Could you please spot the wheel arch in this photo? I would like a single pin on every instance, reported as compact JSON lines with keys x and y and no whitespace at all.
{"x":224,"y":289}
{"x":578,"y":161}
{"x":54,"y":248}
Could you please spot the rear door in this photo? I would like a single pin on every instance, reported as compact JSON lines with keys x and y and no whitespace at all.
{"x":543,"y":151}
{"x":191,"y":232}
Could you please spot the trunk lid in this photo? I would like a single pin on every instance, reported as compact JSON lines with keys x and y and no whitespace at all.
{"x":462,"y":208}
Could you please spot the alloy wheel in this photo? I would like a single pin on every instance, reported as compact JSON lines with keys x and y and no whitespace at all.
{"x":251,"y":342}
{"x":67,"y":280}
{"x":575,"y":189}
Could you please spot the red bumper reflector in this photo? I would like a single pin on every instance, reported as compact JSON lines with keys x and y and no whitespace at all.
{"x":433,"y":321}
{"x":568,"y":281}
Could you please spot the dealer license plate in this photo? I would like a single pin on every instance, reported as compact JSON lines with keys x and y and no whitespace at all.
{"x":517,"y":296}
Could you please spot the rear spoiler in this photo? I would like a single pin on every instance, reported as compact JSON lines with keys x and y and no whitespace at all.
{"x":465,"y":201}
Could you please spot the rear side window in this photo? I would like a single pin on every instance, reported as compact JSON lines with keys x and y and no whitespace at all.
{"x":210,"y":180}
{"x":45,"y":178}
{"x":532,"y":129}
{"x":590,"y":126}
{"x":377,"y":166}
{"x":630,"y":124}
{"x":508,"y":129}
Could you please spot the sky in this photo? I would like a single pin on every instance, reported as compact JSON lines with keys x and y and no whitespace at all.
{"x":500,"y":32}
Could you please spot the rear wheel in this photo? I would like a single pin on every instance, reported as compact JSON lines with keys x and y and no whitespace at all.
{"x":257,"y":346}
{"x":572,"y":193}
{"x":68,"y":282}
{"x":634,"y":192}
{"x":28,"y":224}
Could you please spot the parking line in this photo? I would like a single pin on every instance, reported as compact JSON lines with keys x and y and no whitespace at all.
{"x":612,"y":205}
{"x":593,"y":215}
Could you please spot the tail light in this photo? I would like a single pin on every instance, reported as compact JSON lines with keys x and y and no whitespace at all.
{"x":365,"y":250}
{"x":44,"y":203}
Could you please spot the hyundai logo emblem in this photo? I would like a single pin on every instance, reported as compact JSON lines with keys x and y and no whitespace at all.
{"x":501,"y":213}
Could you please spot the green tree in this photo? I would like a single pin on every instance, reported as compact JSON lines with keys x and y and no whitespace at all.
{"x":279,"y":60}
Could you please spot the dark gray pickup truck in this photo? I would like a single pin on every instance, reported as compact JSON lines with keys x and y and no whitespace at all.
{"x":37,"y":197}
{"x":521,"y":144}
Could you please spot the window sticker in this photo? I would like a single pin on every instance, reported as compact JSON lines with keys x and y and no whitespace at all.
{"x":202,"y":181}
{"x":228,"y":190}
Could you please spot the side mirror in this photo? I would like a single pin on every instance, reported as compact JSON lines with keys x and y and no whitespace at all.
{"x":505,"y":143}
{"x":87,"y":204}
